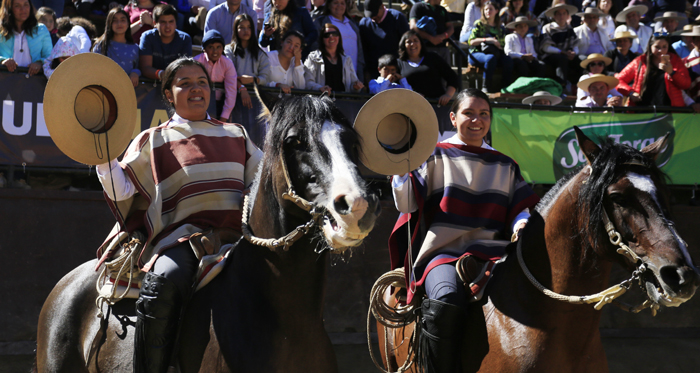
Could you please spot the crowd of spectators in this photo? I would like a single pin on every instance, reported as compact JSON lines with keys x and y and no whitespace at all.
{"x":649,"y":50}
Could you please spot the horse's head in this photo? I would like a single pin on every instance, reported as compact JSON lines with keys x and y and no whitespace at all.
{"x":319,"y":148}
{"x":632,"y":191}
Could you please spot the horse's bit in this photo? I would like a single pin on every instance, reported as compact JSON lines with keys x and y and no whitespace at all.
{"x":316,"y":212}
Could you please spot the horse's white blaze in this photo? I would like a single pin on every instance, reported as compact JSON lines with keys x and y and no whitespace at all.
{"x":343,"y":183}
{"x":645,"y":184}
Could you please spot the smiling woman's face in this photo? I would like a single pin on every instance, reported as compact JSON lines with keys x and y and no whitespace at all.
{"x":190,"y":93}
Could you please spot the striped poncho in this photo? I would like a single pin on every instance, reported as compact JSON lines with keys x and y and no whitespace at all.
{"x":463,"y":193}
{"x":189,"y":177}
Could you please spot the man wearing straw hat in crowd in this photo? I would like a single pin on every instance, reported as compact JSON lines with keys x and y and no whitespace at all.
{"x":621,"y":55}
{"x":595,"y":64}
{"x":630,"y":16}
{"x":685,"y":45}
{"x":669,"y":23}
{"x":591,"y":38}
{"x":520,"y":48}
{"x":598,"y":86}
{"x":559,"y":45}
{"x":693,"y":59}
{"x":542,"y":98}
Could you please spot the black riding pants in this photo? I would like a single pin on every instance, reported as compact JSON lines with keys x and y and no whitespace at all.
{"x":443,"y":283}
{"x":179,"y":265}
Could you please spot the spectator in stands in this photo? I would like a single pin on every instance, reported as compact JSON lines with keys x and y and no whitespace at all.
{"x":82,"y":33}
{"x":336,"y":13}
{"x":284,"y":17}
{"x":328,"y":68}
{"x":597,"y":87}
{"x":542,"y":98}
{"x":559,"y":45}
{"x":47,"y":17}
{"x":487,"y":42}
{"x":685,"y":45}
{"x":591,"y":38}
{"x":661,"y":7}
{"x":55,"y":5}
{"x":252,"y":65}
{"x":595,"y":64}
{"x":471,"y":15}
{"x":21,"y":32}
{"x":220,"y":69}
{"x":630,"y":16}
{"x":515,"y":9}
{"x":668,"y":23}
{"x":286,"y":69}
{"x":693,"y":58}
{"x":659,"y":76}
{"x":435,"y":41}
{"x":317,"y":7}
{"x":117,"y":43}
{"x":63,"y":49}
{"x":389,"y":76}
{"x":221,"y":18}
{"x":646,"y":17}
{"x":163,"y":44}
{"x":606,"y":21}
{"x":141,"y":16}
{"x":520,"y":48}
{"x":546,"y":18}
{"x":380,"y":31}
{"x":426,"y":71}
{"x":621,"y":55}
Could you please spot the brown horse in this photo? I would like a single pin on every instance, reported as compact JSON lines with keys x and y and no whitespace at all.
{"x":565,"y":247}
{"x":263,"y":313}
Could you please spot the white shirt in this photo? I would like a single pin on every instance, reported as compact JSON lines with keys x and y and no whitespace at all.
{"x":293,"y":76}
{"x":123,"y":187}
{"x":21,"y":51}
{"x":403,"y":191}
{"x":80,"y":38}
{"x":644,"y":33}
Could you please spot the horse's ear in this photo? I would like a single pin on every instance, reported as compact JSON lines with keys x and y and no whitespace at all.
{"x":654,"y":149}
{"x":268,"y":101}
{"x":589,"y":148}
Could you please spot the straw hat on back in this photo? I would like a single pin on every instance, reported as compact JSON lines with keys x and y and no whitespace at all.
{"x":90,"y":108}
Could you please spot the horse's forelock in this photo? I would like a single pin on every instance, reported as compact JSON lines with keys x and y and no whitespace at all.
{"x":612,"y":163}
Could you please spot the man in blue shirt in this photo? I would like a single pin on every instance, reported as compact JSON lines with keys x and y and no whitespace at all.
{"x":221,"y":17}
{"x":163,"y":44}
{"x":380,"y":32}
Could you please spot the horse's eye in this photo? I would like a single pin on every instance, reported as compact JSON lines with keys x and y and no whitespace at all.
{"x":618,"y":199}
{"x":294,"y":141}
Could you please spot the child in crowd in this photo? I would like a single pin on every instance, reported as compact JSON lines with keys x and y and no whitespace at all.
{"x":116,"y":43}
{"x":64,"y":48}
{"x":47,"y":17}
{"x":389,"y":76}
{"x":220,"y":69}
{"x":76,"y":29}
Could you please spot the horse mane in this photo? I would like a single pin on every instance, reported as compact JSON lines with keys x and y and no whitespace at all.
{"x":610,"y":164}
{"x":551,"y":195}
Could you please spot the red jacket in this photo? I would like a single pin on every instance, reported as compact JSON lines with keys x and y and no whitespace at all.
{"x":675,"y":85}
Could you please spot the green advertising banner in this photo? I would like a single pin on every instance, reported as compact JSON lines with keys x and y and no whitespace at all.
{"x":544,"y":145}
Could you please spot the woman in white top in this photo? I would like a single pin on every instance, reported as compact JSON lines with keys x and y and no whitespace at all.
{"x":472,"y":14}
{"x":328,"y":68}
{"x":286,"y":69}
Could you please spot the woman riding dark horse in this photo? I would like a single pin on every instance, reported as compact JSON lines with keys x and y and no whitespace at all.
{"x":185,"y":176}
{"x":264,"y":310}
{"x":465,"y":191}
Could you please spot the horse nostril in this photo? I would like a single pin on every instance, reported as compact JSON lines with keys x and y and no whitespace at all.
{"x":676,"y":277}
{"x":340,"y":204}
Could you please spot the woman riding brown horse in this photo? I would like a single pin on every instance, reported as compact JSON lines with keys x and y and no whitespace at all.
{"x":568,"y":246}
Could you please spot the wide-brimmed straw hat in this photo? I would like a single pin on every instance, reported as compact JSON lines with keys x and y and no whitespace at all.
{"x":686,"y":28}
{"x":695,"y":31}
{"x":624,"y":35}
{"x":90,"y":108}
{"x":398,"y":129}
{"x":569,"y":8}
{"x":611,"y":81}
{"x":622,"y":16}
{"x":596,"y":57}
{"x":591,"y":11}
{"x":542,"y":95}
{"x":521,"y":19}
{"x":671,"y":15}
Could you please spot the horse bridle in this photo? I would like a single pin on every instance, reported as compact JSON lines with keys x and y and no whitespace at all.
{"x":609,"y":295}
{"x":317,"y":213}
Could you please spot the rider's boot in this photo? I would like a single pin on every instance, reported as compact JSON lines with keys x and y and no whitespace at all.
{"x":158,"y":312}
{"x":441,"y":336}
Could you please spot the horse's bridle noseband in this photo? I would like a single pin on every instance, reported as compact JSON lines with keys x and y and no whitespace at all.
{"x":317,"y":213}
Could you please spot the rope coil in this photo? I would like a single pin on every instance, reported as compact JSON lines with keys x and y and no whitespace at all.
{"x":123,"y":265}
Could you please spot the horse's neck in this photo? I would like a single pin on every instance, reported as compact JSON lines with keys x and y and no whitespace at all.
{"x":560,"y":259}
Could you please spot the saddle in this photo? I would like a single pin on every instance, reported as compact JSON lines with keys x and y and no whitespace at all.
{"x":476,"y":272}
{"x":121,"y":276}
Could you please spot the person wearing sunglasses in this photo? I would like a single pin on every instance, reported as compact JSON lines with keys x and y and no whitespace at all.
{"x":596,"y":64}
{"x":328,"y":68}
